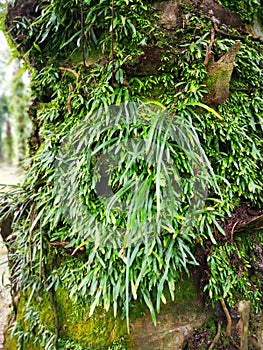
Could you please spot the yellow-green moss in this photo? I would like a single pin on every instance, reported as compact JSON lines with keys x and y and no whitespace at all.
{"x":186,"y":291}
{"x":100,"y":330}
{"x":10,"y":343}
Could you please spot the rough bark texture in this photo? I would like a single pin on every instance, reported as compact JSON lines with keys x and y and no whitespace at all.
{"x":220,"y":76}
{"x":221,"y":15}
{"x":252,"y":225}
{"x":244,"y":309}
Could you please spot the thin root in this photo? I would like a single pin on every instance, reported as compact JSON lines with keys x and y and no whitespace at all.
{"x":209,"y":48}
{"x":64,"y":69}
{"x":228,"y":317}
{"x":216,"y":338}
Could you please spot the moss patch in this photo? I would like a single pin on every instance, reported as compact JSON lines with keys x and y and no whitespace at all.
{"x":101,"y":329}
{"x":220,"y":76}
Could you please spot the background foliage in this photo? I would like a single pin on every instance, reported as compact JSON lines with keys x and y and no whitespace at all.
{"x":14,"y":95}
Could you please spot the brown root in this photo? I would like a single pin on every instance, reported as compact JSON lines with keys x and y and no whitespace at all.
{"x":228,"y":317}
{"x":217,"y":336}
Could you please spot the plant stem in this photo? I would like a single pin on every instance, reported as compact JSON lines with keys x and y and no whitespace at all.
{"x":228,"y":317}
{"x":216,"y":338}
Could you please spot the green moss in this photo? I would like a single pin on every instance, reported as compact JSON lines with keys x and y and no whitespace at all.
{"x":76,"y":57}
{"x":10,"y":342}
{"x":137,"y":310}
{"x":97,"y":332}
{"x":220,"y":73}
{"x":101,"y":329}
{"x":246,"y":9}
{"x":34,"y":316}
{"x":218,"y":86}
{"x":186,"y":291}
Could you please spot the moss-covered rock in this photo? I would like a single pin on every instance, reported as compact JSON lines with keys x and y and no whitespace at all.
{"x":75,"y":324}
{"x":175,"y":324}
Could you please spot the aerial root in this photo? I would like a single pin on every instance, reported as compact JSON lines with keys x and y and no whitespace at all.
{"x":228,"y":317}
{"x":217,"y":336}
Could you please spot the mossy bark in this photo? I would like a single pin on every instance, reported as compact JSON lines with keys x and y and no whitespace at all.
{"x":220,"y":76}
